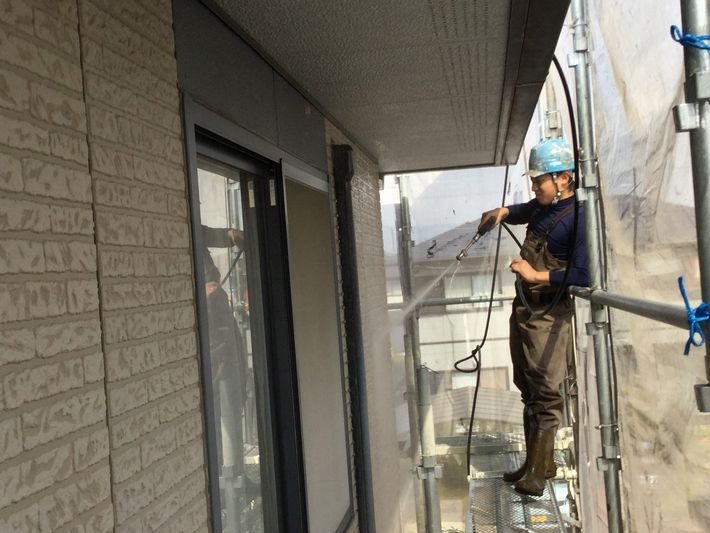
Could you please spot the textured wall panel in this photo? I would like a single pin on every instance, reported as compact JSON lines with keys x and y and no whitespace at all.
{"x":54,"y":438}
{"x":100,"y":421}
{"x":144,"y":265}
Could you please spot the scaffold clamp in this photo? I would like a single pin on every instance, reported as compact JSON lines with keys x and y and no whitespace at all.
{"x":702,"y":397}
{"x":686,"y":117}
{"x":698,"y":86}
{"x":606,"y":463}
{"x":436,"y":472}
{"x":596,"y":328}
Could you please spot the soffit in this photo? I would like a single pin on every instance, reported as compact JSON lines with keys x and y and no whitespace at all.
{"x":420,"y":84}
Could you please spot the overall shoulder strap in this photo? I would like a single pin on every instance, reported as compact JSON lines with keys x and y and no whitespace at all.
{"x":562,"y":214}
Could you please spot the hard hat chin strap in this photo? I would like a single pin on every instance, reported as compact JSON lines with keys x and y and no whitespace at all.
{"x":558,"y":194}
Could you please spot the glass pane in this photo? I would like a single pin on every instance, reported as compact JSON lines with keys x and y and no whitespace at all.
{"x":230,"y":327}
{"x":318,"y":356}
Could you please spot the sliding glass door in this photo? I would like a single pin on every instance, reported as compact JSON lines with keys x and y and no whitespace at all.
{"x":249,"y":381}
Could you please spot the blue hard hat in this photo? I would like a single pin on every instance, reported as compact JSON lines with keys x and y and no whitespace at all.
{"x":551,"y":155}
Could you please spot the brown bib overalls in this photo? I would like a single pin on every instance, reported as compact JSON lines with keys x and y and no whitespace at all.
{"x":538,"y":345}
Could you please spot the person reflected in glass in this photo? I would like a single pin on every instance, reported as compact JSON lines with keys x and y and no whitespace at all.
{"x":228,"y":354}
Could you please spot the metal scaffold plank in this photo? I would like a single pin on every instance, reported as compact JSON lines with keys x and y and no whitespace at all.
{"x":495,"y":507}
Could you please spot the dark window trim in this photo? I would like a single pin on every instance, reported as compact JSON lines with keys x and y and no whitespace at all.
{"x":201,"y":320}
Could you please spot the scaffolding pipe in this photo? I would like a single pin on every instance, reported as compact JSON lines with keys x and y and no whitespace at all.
{"x":552,"y":114}
{"x":410,"y":365}
{"x":674,"y":315}
{"x":437,"y":302}
{"x":429,"y":470}
{"x":426,"y":470}
{"x":694,"y":117}
{"x":609,"y":462}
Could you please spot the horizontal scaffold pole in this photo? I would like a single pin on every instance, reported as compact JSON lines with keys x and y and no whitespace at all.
{"x":437,"y":302}
{"x":674,"y":315}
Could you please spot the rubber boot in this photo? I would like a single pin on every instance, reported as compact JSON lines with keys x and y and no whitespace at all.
{"x":550,"y":469}
{"x":517,"y":475}
{"x":533,"y":482}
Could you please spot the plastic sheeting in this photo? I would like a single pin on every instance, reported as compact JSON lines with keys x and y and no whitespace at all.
{"x":647,"y":191}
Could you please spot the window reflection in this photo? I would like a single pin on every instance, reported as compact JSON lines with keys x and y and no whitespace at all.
{"x":229,"y":327}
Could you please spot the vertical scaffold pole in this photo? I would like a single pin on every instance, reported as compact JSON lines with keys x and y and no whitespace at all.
{"x":609,"y":463}
{"x":428,"y":471}
{"x":694,"y":117}
{"x":404,"y":238}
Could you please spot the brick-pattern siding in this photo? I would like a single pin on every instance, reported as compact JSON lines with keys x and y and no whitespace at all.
{"x":54,"y":439}
{"x":100,"y":419}
{"x":373,"y":310}
{"x":144,"y":265}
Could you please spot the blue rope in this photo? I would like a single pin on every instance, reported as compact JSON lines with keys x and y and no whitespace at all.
{"x":695,"y":316}
{"x":688,"y":39}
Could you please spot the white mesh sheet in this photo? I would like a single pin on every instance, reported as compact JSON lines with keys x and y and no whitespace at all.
{"x":651,"y":240}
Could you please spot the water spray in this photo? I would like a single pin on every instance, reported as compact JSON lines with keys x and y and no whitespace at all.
{"x":487,"y":226}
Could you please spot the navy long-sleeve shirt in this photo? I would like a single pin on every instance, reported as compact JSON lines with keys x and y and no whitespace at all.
{"x":539,"y":217}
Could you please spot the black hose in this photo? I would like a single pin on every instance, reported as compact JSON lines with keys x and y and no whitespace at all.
{"x":231,"y":268}
{"x":570,"y":260}
{"x":476,"y":352}
{"x":510,"y":232}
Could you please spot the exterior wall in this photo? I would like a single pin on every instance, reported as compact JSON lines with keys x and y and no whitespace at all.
{"x":373,"y":309}
{"x":100,"y":421}
{"x":241,"y":86}
{"x":54,"y":443}
{"x":100,"y":415}
{"x":145,"y":265}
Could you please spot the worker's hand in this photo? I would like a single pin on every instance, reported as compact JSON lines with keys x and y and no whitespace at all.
{"x":499,"y":214}
{"x":236,"y":236}
{"x":525,"y":271}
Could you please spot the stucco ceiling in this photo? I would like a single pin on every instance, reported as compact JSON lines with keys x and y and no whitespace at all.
{"x":420,"y":84}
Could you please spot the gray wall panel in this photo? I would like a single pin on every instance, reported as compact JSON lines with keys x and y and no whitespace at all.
{"x":301,"y":126}
{"x":222,"y":72}
{"x":218,"y":69}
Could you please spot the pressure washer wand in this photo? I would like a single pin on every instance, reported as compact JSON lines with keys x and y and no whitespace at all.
{"x":488,"y":226}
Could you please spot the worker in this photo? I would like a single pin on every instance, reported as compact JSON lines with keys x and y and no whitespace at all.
{"x":539,"y":344}
{"x":227,"y":353}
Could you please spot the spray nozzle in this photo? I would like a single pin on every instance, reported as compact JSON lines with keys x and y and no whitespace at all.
{"x":487,"y":226}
